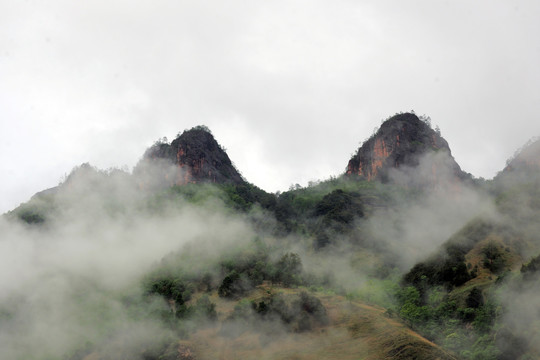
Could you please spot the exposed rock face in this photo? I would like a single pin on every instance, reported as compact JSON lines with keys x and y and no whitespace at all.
{"x":401,"y":142}
{"x":197,"y":157}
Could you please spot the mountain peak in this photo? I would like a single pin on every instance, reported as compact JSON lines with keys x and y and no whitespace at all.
{"x":197,"y":156}
{"x":400,"y":142}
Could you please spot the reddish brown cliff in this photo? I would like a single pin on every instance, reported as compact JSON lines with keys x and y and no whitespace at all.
{"x":196,"y":156}
{"x":401,"y":143}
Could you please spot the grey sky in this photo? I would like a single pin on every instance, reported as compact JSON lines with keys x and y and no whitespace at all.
{"x":290,"y":88}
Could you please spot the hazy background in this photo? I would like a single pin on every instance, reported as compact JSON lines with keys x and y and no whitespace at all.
{"x":290,"y":88}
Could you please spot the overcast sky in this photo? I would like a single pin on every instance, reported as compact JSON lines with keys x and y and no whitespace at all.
{"x":289,"y":88}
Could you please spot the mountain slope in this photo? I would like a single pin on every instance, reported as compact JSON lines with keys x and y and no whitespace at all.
{"x":527,"y":158}
{"x":483,"y":268}
{"x":354,"y":331}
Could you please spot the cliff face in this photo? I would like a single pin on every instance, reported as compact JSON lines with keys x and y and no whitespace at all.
{"x":197,"y":157}
{"x":401,"y":142}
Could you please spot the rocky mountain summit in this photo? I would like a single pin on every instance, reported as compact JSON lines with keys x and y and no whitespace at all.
{"x":197,"y":157}
{"x":402,"y":142}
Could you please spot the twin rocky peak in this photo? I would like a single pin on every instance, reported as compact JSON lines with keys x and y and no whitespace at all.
{"x":401,"y":142}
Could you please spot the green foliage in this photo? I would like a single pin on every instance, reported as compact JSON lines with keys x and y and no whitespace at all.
{"x":170,"y":288}
{"x":177,"y":307}
{"x":335,"y":202}
{"x":531,"y":269}
{"x":467,"y":329}
{"x":31,"y":216}
{"x":485,"y":316}
{"x":475,"y":298}
{"x":288,"y":270}
{"x":237,"y":197}
{"x":234,"y":286}
{"x":198,"y":194}
{"x":246,"y":272}
{"x":448,"y":267}
{"x":471,"y":234}
{"x":411,"y":308}
{"x":335,"y":214}
{"x":484,"y":348}
{"x":36,"y":211}
{"x":285,"y":212}
{"x":494,"y":258}
{"x":377,"y":291}
{"x":339,"y":206}
{"x":244,"y":196}
{"x":449,"y":270}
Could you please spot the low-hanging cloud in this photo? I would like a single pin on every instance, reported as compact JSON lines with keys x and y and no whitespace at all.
{"x":415,"y":226}
{"x":64,"y":283}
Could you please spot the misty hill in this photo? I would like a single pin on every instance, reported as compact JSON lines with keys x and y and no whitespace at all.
{"x":166,"y":169}
{"x":489,"y":268}
{"x":525,"y":159}
{"x":401,"y":142}
{"x":517,"y":187}
{"x":183,"y":259}
{"x":198,"y":158}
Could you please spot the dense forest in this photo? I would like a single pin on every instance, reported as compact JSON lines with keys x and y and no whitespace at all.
{"x":402,"y":256}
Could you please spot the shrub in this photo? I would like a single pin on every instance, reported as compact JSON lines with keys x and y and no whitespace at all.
{"x":288,"y":270}
{"x":494,"y":258}
{"x":475,"y":299}
{"x":234,"y":285}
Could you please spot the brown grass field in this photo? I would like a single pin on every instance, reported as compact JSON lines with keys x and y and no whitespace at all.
{"x":355,"y":331}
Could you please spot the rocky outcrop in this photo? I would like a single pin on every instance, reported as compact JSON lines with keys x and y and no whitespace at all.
{"x":402,"y":143}
{"x":196,"y":157}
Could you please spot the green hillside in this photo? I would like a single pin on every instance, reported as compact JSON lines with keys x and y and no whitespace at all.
{"x":424,"y":262}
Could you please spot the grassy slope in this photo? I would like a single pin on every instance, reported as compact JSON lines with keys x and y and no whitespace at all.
{"x":355,"y":331}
